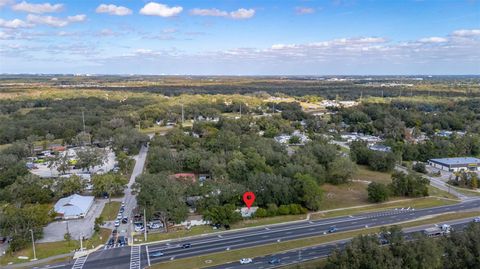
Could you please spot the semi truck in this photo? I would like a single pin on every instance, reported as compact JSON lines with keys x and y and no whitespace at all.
{"x":443,"y":229}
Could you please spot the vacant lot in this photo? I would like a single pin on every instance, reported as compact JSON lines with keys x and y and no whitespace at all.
{"x":110,"y":211}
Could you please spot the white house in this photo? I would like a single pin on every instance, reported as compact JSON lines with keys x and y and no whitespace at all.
{"x":74,"y":206}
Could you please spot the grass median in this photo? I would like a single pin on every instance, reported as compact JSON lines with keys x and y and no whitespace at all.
{"x":110,"y":211}
{"x":235,"y":255}
{"x":413,"y":203}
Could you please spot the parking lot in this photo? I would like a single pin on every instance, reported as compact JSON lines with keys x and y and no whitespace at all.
{"x":56,"y":230}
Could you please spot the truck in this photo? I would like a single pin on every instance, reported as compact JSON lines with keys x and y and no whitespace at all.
{"x":443,"y":229}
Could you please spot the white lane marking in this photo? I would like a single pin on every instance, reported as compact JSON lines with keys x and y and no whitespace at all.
{"x":80,"y":262}
{"x":148,"y":255}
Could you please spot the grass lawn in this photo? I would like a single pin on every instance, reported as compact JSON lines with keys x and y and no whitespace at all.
{"x":234,"y":255}
{"x":365,"y":173}
{"x":45,"y":250}
{"x":197,"y":230}
{"x":344,"y":195}
{"x":440,"y":193}
{"x":415,"y":203}
{"x":467,"y":192}
{"x":110,"y":210}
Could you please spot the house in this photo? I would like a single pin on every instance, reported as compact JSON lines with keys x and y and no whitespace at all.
{"x":285,"y":139}
{"x":456,"y":164}
{"x":74,"y":206}
{"x":185,"y":176}
{"x":247,"y":212}
{"x":381,"y":148}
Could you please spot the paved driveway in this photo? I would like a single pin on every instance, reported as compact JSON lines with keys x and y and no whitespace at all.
{"x":55,"y":231}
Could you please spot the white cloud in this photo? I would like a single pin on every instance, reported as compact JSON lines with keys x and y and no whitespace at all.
{"x":37,"y":8}
{"x":156,"y":9}
{"x":304,"y":10}
{"x":209,"y":12}
{"x":15,"y":23}
{"x":241,"y":13}
{"x":113,"y":10}
{"x":55,"y":21}
{"x":5,"y":2}
{"x":467,"y":32}
{"x":433,"y":39}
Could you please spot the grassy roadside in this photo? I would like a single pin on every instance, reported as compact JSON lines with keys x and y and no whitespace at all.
{"x":230,"y":256}
{"x":110,"y":210}
{"x":206,"y":229}
{"x":466,"y":191}
{"x":414,"y":203}
{"x":45,"y":250}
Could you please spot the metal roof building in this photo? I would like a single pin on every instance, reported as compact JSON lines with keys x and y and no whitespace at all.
{"x":456,"y":164}
{"x":74,"y":206}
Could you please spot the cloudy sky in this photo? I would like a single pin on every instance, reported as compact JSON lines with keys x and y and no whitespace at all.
{"x":240,"y":37}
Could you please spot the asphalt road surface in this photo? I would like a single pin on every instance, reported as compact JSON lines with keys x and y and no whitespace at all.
{"x":142,"y":256}
{"x":316,"y":252}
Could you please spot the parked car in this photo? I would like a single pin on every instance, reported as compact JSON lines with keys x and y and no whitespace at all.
{"x":139,"y":228}
{"x":246,"y":261}
{"x":114,"y":232}
{"x":119,"y":216}
{"x":125,"y":220}
{"x":111,"y":242}
{"x":274,"y":260}
{"x":154,"y":226}
{"x":122,"y":209}
{"x":187,"y":245}
{"x":156,"y":254}
{"x":117,"y":223}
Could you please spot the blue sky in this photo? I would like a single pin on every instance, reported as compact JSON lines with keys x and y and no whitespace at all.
{"x":240,"y":37}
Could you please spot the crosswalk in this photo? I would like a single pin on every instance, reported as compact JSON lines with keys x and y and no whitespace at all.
{"x":135,"y":257}
{"x":80,"y":262}
{"x":114,"y":246}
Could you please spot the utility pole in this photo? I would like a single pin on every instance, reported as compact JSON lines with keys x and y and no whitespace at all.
{"x":183,"y":114}
{"x":240,"y":109}
{"x":83,"y":119}
{"x":81,"y":242}
{"x":33,"y":246}
{"x":145,"y":224}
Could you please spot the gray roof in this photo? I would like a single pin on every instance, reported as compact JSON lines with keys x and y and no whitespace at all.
{"x":74,"y":205}
{"x":457,"y":161}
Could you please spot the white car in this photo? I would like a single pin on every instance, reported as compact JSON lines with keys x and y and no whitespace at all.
{"x":119,"y":216}
{"x":117,"y":223}
{"x":139,"y":228}
{"x":476,"y":220}
{"x":154,"y":226}
{"x":246,"y":261}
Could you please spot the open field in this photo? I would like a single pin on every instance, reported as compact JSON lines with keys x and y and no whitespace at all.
{"x":229,"y":256}
{"x":45,"y":250}
{"x":110,"y":210}
{"x":364,"y":173}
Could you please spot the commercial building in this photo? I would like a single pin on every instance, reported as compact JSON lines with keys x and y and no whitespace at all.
{"x":456,"y":164}
{"x":74,"y":206}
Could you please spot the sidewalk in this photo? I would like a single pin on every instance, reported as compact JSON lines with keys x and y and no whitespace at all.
{"x":39,"y":262}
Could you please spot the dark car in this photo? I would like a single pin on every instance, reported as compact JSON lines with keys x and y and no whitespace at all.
{"x":125,"y":220}
{"x":122,"y":209}
{"x":187,"y":245}
{"x":114,"y":232}
{"x":111,"y":242}
{"x":274,"y":260}
{"x":122,"y":241}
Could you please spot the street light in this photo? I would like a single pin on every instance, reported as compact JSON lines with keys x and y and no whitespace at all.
{"x":33,"y":245}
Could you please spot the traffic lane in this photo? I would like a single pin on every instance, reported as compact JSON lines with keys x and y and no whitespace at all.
{"x":305,"y":224}
{"x":115,"y":258}
{"x":220,"y":244}
{"x":312,"y":253}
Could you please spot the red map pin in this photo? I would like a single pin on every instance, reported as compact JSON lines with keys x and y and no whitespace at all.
{"x":249,"y":198}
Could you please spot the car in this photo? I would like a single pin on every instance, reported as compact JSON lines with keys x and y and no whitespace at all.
{"x":154,"y":226}
{"x":332,"y":229}
{"x":274,"y":260}
{"x":121,"y":240}
{"x":139,"y":228}
{"x":111,"y":242}
{"x":122,"y":209}
{"x":114,"y":232}
{"x":156,"y":254}
{"x":246,"y":261}
{"x":125,"y":220}
{"x":117,"y":223}
{"x":476,"y":220}
{"x":119,"y":216}
{"x":187,"y":245}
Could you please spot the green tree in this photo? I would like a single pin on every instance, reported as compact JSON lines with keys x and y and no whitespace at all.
{"x":72,"y":184}
{"x":90,"y":157}
{"x":341,"y":170}
{"x":223,"y":215}
{"x":110,"y":183}
{"x":377,"y":192}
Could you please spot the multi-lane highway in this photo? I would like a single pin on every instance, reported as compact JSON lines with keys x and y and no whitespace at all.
{"x":319,"y":251}
{"x":139,"y":257}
